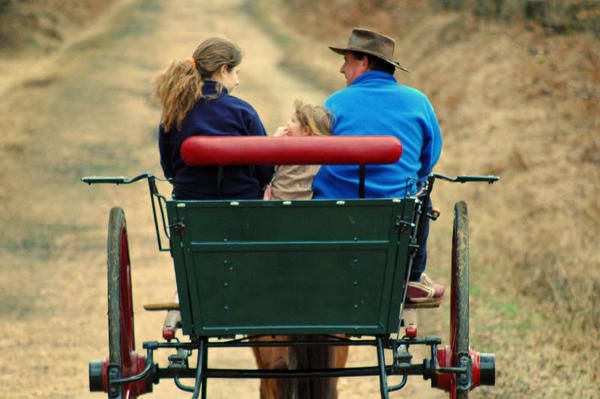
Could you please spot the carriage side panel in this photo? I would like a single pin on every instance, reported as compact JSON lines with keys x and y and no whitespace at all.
{"x":405,"y":229}
{"x":182,"y":261}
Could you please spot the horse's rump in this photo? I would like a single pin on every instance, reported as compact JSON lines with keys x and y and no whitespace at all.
{"x":302,"y":357}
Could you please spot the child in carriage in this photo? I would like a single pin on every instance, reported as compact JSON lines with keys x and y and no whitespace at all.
{"x":294,"y":182}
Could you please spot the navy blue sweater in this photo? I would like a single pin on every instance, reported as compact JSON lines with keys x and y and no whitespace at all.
{"x":224,"y":115}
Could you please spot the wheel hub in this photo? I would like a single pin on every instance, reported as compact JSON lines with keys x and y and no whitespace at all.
{"x":483,"y":370}
{"x":98,"y":375}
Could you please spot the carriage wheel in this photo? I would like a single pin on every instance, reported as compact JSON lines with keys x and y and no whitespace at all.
{"x":121,"y":339}
{"x":482,"y":365}
{"x":459,"y":303}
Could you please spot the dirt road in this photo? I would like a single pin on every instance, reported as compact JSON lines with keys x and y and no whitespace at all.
{"x":88,"y":111}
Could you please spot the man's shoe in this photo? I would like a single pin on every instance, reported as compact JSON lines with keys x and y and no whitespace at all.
{"x":424,"y":292}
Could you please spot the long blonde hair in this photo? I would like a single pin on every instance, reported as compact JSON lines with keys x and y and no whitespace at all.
{"x":315,"y":117}
{"x":179,"y":87}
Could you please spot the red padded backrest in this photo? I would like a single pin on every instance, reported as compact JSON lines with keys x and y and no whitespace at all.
{"x":252,"y":150}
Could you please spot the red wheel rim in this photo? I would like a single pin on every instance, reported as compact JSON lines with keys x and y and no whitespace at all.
{"x":121,"y":338}
{"x":128,"y":362}
{"x":126,"y":304}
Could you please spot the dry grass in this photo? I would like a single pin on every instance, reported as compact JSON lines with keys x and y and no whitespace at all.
{"x":42,"y":25}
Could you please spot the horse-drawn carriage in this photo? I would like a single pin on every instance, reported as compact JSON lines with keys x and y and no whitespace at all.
{"x":323,"y":273}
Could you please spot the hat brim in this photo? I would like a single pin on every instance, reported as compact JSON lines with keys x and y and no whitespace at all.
{"x":343,"y":50}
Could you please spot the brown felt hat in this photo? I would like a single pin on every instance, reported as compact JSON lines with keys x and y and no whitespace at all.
{"x":373,"y":43}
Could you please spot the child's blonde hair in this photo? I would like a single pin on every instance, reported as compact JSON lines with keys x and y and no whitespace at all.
{"x":315,"y":117}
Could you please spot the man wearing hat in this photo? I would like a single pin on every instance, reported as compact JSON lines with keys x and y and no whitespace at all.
{"x":373,"y":103}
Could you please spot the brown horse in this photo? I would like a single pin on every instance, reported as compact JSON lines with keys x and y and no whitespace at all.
{"x":304,"y":357}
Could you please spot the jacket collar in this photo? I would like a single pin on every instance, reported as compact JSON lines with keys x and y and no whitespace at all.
{"x":209,"y":88}
{"x":373,"y":75}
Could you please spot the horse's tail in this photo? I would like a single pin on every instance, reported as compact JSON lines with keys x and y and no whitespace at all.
{"x":311,"y":357}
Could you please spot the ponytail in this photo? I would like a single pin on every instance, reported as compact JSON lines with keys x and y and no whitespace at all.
{"x":178,"y":88}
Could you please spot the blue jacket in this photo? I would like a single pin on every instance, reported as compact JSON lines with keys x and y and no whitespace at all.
{"x":224,"y":115}
{"x":375,"y":104}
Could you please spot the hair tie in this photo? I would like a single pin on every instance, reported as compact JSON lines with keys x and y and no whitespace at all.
{"x":191,"y":61}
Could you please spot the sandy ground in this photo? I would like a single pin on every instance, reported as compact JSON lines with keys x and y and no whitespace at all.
{"x":88,"y":111}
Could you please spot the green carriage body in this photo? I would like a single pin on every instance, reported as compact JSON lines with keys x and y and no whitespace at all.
{"x":291,"y":267}
{"x":288,"y":268}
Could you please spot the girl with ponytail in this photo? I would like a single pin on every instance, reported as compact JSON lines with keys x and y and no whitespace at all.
{"x":196,"y":99}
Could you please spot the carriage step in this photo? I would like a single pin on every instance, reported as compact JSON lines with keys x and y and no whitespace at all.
{"x":424,"y":305}
{"x":152,"y":307}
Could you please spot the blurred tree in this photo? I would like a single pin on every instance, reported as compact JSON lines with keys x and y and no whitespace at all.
{"x":488,"y":8}
{"x":4,"y":5}
{"x":535,"y":9}
{"x":452,"y":4}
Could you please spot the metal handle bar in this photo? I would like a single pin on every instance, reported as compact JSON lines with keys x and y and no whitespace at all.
{"x":155,"y":198}
{"x":426,"y":214}
{"x":115,"y":179}
{"x":466,"y":179}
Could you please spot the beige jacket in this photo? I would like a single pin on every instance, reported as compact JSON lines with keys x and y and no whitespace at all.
{"x":293,"y":182}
